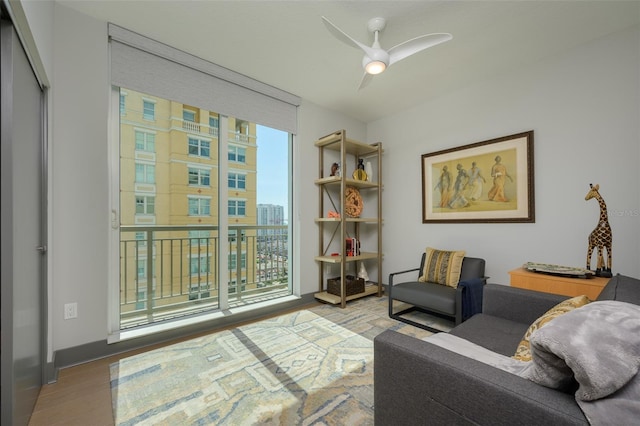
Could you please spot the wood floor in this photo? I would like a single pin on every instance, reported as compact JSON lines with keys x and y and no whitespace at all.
{"x":82,"y":394}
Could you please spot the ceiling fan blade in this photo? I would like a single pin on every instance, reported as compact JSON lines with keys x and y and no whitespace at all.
{"x":366,"y":79}
{"x":345,"y":38}
{"x":415,"y":45}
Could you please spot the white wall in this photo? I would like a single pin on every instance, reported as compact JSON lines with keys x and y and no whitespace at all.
{"x":584,"y":107}
{"x":79,"y":173}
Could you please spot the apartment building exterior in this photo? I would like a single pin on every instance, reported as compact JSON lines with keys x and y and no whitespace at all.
{"x":169,"y":183}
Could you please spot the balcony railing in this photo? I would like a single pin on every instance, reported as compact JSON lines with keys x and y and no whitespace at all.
{"x":173,"y":271}
{"x":191,"y":126}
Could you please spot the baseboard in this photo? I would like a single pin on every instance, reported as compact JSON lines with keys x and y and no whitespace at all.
{"x":96,"y":350}
{"x":50,"y":371}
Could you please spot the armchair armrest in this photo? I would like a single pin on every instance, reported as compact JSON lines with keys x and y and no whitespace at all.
{"x":517,"y":304}
{"x":416,"y":382}
{"x":399,"y":273}
{"x":390,"y":286}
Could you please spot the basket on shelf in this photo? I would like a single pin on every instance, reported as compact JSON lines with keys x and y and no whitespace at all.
{"x":353,"y":285}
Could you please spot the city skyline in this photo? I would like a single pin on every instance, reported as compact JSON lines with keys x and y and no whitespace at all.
{"x":272,"y":167}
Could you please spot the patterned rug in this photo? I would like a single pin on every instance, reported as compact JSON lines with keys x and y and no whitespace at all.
{"x":308,"y":367}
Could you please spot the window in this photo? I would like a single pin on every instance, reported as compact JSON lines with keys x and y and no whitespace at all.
{"x":145,"y":173}
{"x":141,"y":238}
{"x":188,"y":115}
{"x":199,"y":147}
{"x":145,"y":204}
{"x":199,"y":291}
{"x":199,"y":206}
{"x":199,"y":237}
{"x":237,"y":181}
{"x":214,"y":124}
{"x":142,"y":268}
{"x":145,"y":141}
{"x":199,"y":265}
{"x":190,"y":121}
{"x":237,"y":208}
{"x":199,"y":177}
{"x":148,"y":110}
{"x":233,"y":261}
{"x":141,"y":299}
{"x":233,"y":286}
{"x":237,"y":154}
{"x":123,"y":110}
{"x":233,"y":234}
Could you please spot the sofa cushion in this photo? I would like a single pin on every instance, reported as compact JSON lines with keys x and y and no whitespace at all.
{"x":494,"y":333}
{"x":523,"y":352}
{"x":622,"y":289}
{"x":442,"y":267}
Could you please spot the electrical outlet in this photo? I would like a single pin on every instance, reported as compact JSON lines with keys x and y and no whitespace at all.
{"x":70,"y":310}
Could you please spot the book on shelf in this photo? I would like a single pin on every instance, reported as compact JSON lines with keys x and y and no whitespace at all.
{"x":352,"y":247}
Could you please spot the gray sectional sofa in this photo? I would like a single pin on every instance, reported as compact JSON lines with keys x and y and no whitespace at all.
{"x":419,"y":383}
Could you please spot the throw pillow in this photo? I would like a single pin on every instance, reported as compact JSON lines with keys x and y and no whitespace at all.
{"x":523,"y":352}
{"x":442,"y":267}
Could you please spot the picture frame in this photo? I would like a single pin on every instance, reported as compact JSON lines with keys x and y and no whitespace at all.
{"x":484,"y":182}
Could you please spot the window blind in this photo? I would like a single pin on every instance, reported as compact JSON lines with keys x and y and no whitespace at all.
{"x":148,"y":66}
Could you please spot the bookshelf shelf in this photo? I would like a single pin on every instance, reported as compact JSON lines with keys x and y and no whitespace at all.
{"x":370,"y":288}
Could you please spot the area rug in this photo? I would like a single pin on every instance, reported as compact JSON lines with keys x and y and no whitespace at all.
{"x":313,"y":366}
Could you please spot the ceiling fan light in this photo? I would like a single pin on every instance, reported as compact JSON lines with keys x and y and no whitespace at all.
{"x":375,"y":67}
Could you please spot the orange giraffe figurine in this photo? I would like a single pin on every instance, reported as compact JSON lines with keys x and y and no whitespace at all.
{"x":601,"y":237}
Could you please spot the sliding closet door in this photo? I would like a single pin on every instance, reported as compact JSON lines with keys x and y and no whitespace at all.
{"x":23,"y":252}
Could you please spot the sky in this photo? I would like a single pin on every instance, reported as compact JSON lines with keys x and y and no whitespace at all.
{"x":273,"y":146}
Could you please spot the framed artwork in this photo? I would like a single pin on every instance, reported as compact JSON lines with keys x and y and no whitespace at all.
{"x":484,"y":182}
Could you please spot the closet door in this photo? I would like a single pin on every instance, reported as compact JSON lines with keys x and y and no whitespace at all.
{"x":23,"y":251}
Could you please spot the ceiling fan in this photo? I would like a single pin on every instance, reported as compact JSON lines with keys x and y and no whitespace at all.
{"x":376,"y":59}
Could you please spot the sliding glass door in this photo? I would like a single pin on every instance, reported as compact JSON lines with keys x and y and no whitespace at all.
{"x":203,"y":207}
{"x":198,"y":218}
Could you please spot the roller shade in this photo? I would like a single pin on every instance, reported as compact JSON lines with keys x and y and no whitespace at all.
{"x":145,"y":65}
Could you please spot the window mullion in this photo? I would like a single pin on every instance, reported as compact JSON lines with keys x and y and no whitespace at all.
{"x":223,"y":214}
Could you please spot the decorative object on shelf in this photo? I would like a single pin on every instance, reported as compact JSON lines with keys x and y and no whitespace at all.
{"x":449,"y":176}
{"x":362,"y":273}
{"x":368,"y":168}
{"x":353,"y":202}
{"x":600,"y":238}
{"x":353,"y":285}
{"x":547,"y":268}
{"x":359,"y":173}
{"x":333,"y":214}
{"x":335,"y":169}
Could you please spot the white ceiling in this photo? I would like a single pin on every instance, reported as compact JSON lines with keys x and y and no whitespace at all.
{"x":285,"y":44}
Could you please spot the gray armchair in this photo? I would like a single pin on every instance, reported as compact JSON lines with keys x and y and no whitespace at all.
{"x":455,"y":303}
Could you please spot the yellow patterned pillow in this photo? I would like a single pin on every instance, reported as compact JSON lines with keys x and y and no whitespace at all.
{"x":442,"y":267}
{"x":523,"y":352}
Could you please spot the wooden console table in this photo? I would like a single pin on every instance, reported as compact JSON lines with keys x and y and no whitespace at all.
{"x":591,"y":287}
